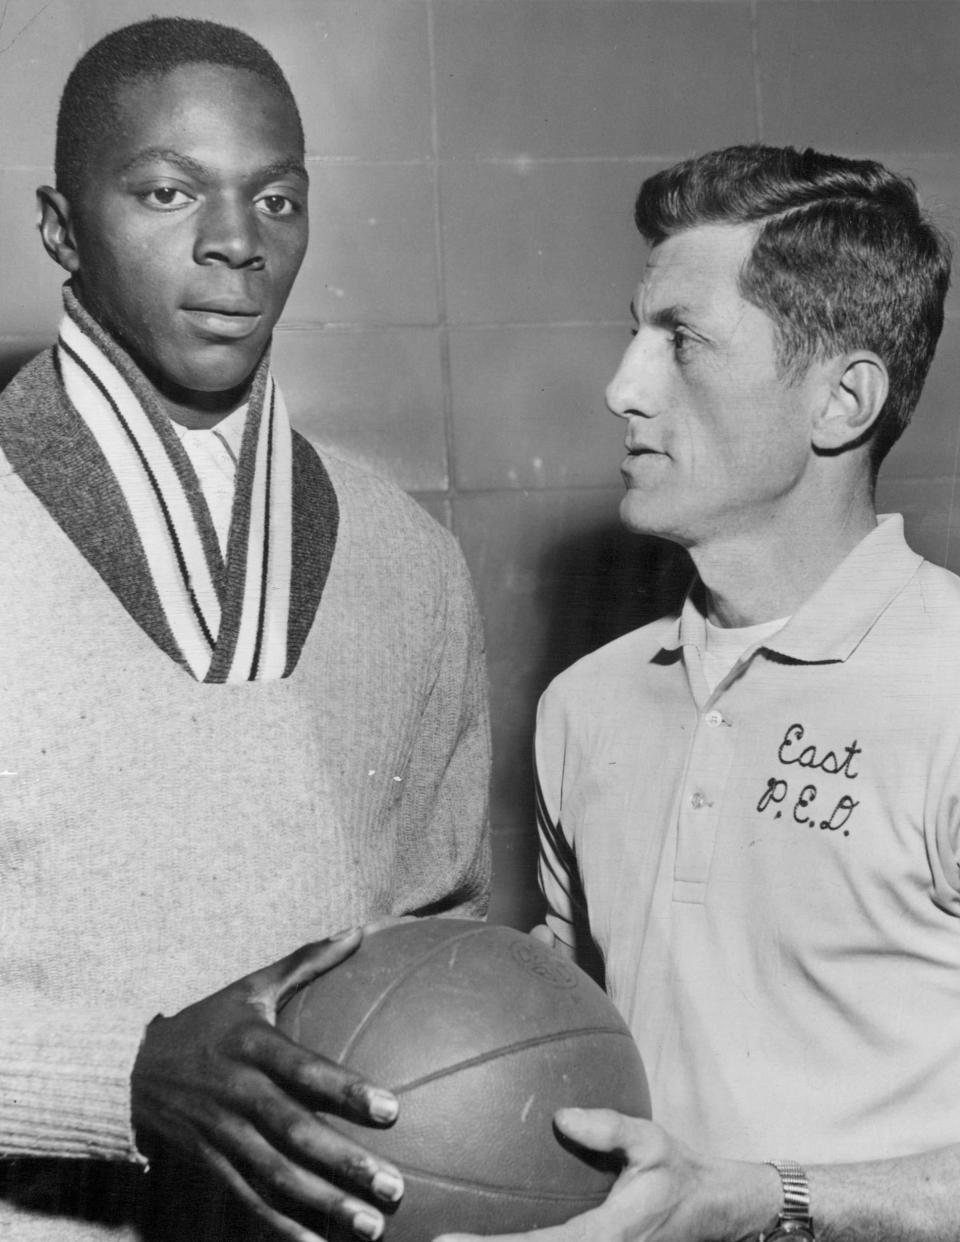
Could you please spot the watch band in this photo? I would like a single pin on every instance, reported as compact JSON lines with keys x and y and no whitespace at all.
{"x":795,"y":1218}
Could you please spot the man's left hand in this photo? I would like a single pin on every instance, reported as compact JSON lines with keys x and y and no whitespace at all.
{"x":666,"y":1192}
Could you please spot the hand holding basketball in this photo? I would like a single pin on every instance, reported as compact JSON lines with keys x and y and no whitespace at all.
{"x":666,"y":1192}
{"x":483,"y":1033}
{"x":223,"y":1087}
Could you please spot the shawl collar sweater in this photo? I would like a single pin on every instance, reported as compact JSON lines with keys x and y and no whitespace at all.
{"x":161,"y":837}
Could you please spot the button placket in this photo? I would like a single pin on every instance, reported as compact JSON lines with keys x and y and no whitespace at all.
{"x":706,"y":777}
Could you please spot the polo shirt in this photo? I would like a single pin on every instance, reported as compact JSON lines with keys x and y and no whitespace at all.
{"x":770,"y":870}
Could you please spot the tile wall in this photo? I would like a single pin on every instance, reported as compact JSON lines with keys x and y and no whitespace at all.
{"x":473,"y":257}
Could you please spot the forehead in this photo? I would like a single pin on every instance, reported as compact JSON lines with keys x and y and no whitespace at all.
{"x":214,"y":110}
{"x":697,"y":270}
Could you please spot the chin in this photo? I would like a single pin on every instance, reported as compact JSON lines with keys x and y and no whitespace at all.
{"x":642,"y":516}
{"x":213,"y":375}
{"x":637,"y":513}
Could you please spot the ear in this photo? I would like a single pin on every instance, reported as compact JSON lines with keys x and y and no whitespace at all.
{"x":56,"y":228}
{"x":858,"y":388}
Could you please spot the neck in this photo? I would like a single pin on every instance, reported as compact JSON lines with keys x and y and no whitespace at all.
{"x":764,"y":574}
{"x":190,"y":407}
{"x":200,"y":410}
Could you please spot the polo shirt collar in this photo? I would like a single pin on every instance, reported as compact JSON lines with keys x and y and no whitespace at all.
{"x":831,"y":624}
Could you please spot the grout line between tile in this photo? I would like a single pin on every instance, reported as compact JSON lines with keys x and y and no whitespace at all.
{"x":443,"y":336}
{"x":507,"y":161}
{"x":755,"y":55}
{"x":506,"y":491}
{"x":345,"y":327}
{"x":951,"y":505}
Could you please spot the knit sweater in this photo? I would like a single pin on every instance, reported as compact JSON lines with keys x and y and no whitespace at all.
{"x":161,"y":837}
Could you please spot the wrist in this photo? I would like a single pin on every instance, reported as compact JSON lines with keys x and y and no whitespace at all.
{"x":747,"y":1199}
{"x":795,"y":1220}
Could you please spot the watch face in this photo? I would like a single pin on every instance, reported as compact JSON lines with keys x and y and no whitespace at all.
{"x":794,"y":1230}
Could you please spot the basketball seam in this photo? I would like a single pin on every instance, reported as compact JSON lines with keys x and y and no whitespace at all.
{"x":536,"y":1041}
{"x":498,"y":1191}
{"x":392,"y":987}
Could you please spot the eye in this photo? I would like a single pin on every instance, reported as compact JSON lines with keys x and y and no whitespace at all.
{"x":680,"y":340}
{"x":165,"y":198}
{"x":277,"y":205}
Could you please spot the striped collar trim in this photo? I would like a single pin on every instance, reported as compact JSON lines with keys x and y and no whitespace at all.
{"x":229,"y":621}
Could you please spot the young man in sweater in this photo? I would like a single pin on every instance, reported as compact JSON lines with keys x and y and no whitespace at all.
{"x":243,"y":686}
{"x":756,"y":802}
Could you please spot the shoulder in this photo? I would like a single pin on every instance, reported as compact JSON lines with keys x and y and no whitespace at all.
{"x":925,"y":618}
{"x":25,"y":406}
{"x":32,"y":379}
{"x":35,"y":382}
{"x":941,"y":587}
{"x":358,"y":486}
{"x":631,"y":658}
{"x":924,"y":637}
{"x":380,"y":518}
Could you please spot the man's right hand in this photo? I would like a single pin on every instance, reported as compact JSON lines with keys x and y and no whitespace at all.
{"x":218,"y":1083}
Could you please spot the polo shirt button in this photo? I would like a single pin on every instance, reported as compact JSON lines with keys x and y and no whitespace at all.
{"x":714,"y":718}
{"x":698,"y":801}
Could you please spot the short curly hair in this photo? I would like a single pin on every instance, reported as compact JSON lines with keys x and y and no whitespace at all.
{"x":88,"y":105}
{"x":844,"y":257}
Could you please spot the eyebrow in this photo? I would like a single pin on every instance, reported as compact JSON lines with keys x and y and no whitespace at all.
{"x":269,"y":172}
{"x":664,"y":316}
{"x":281,"y":168}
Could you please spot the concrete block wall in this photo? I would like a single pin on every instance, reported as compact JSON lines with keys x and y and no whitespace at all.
{"x":473,"y":167}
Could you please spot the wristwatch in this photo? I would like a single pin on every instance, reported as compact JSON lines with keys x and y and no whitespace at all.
{"x":795,"y":1221}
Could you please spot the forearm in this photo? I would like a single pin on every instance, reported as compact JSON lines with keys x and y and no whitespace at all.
{"x":65,"y":1081}
{"x":908,"y":1199}
{"x":667,"y":1192}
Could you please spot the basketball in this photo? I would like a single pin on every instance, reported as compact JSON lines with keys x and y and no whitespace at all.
{"x":483,"y":1033}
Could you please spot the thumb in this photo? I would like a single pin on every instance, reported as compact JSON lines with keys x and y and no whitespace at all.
{"x":600,"y":1129}
{"x":272,"y":986}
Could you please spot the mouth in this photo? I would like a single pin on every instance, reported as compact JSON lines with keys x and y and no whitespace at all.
{"x":219,"y":320}
{"x":638,"y":458}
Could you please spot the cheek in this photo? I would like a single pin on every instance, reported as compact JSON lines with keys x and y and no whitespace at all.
{"x":135,"y":305}
{"x":287,"y":265}
{"x":773,"y":439}
{"x":134,"y":311}
{"x":714,"y":421}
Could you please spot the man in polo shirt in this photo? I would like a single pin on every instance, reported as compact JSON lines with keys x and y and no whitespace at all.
{"x":754,"y":806}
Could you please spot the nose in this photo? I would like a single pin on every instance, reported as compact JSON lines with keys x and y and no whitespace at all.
{"x":629,"y":392}
{"x":229,"y":233}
